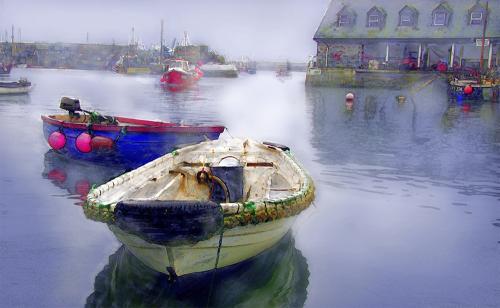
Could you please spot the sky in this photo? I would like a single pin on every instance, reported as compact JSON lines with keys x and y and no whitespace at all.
{"x":259,"y":29}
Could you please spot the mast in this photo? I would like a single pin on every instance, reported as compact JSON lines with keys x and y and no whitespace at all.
{"x":161,"y":42}
{"x":13,"y":48}
{"x":481,"y":66}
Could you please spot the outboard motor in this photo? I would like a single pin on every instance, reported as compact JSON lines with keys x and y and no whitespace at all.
{"x":227,"y":181}
{"x":72,"y":105}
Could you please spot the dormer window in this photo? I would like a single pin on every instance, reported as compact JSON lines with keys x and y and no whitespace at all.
{"x":476,"y":14}
{"x":440,"y":19}
{"x":345,"y":17}
{"x":375,"y":18}
{"x":441,"y":15}
{"x":476,"y":18}
{"x":408,"y":17}
{"x":373,"y":21}
{"x":343,"y":20}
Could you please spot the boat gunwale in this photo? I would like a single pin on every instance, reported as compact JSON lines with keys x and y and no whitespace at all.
{"x":235,"y":213}
{"x":136,"y":125}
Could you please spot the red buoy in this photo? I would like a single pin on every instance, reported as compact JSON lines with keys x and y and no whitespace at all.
{"x":83,"y":143}
{"x":468,"y":89}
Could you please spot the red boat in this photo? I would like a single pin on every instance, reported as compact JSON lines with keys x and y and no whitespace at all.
{"x":179,"y":75}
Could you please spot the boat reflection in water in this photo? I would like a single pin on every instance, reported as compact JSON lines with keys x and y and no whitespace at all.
{"x":77,"y":176}
{"x":277,"y":277}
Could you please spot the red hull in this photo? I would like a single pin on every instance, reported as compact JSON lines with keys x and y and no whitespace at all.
{"x":176,"y":80}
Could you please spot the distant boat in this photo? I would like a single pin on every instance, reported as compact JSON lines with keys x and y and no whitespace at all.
{"x":179,"y":75}
{"x":471,"y":85}
{"x":252,"y":191}
{"x":22,"y":86}
{"x":283,"y":71}
{"x":119,"y":140}
{"x":5,"y":68}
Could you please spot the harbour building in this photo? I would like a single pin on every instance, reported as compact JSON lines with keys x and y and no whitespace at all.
{"x":410,"y":35}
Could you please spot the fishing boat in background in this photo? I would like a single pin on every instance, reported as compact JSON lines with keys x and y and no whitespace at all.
{"x":470,"y":84}
{"x":206,"y":206}
{"x":5,"y":68}
{"x":131,"y":142}
{"x":283,"y":71}
{"x":179,"y":75}
{"x":22,"y":86}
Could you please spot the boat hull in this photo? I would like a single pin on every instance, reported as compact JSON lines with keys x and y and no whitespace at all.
{"x":129,"y":148}
{"x":176,"y":80}
{"x":16,"y":90}
{"x":238,"y":244}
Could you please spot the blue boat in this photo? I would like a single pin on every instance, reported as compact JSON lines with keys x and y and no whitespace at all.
{"x":118,"y":140}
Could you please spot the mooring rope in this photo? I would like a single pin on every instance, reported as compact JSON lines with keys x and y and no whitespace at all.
{"x":216,"y":258}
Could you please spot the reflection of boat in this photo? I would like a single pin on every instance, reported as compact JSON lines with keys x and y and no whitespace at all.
{"x":22,"y":86}
{"x":277,"y":277}
{"x":132,"y":142}
{"x":77,"y":177}
{"x":258,"y":187}
{"x":179,"y":76}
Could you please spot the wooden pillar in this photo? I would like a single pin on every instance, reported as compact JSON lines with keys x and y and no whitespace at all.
{"x":326,"y":55}
{"x":490,"y":55}
{"x":387,"y":53}
{"x":419,"y":55}
{"x":452,"y":55}
{"x":461,"y":56}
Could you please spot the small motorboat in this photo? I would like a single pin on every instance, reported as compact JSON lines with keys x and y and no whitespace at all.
{"x":22,"y":86}
{"x":179,"y":75}
{"x":131,"y":142}
{"x":212,"y":205}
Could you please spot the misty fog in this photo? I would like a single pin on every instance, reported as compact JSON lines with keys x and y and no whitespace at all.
{"x":261,"y":30}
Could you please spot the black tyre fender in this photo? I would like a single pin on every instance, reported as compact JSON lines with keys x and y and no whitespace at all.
{"x":166,"y":222}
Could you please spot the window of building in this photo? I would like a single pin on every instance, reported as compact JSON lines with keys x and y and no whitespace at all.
{"x":373,"y":21}
{"x":408,"y":17}
{"x":476,"y":18}
{"x":441,"y":14}
{"x":477,"y":14}
{"x":440,"y":19}
{"x":345,"y":17}
{"x":343,"y":20}
{"x":375,"y":18}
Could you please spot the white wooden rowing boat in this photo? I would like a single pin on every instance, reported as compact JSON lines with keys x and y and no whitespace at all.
{"x":256,"y":212}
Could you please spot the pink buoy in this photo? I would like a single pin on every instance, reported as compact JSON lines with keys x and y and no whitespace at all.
{"x":83,"y":143}
{"x":57,"y":140}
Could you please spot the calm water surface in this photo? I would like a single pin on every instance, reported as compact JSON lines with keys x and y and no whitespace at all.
{"x":407,"y":210}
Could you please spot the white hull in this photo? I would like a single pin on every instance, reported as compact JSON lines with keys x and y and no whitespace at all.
{"x":21,"y":90}
{"x":238,"y":244}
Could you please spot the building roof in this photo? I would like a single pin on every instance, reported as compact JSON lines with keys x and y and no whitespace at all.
{"x":458,"y":26}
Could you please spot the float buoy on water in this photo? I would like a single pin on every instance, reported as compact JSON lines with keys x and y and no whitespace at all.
{"x":468,"y":89}
{"x":349,"y":101}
